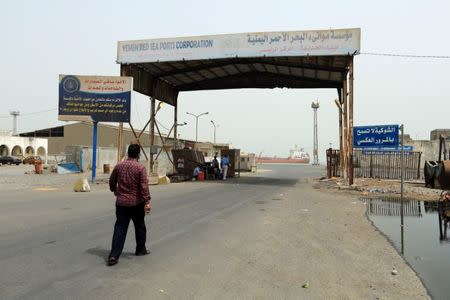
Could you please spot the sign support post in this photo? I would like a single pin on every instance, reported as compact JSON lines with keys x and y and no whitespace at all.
{"x":94,"y":152}
{"x":385,"y":137}
{"x":96,"y":99}
{"x":402,"y":167}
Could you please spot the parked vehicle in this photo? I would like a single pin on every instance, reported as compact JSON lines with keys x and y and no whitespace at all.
{"x":9,"y":160}
{"x":31,"y":160}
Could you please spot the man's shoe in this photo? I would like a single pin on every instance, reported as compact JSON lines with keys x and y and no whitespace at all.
{"x":144,"y":252}
{"x":112,"y":261}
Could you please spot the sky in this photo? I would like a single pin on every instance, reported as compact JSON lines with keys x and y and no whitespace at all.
{"x":42,"y":39}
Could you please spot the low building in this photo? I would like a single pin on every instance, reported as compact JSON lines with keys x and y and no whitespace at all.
{"x":81,"y":134}
{"x":429,"y":148}
{"x":62,"y":140}
{"x":247,"y":162}
{"x":435,"y":134}
{"x":22,"y":146}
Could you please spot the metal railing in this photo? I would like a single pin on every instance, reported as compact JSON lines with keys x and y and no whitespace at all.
{"x":377,"y":164}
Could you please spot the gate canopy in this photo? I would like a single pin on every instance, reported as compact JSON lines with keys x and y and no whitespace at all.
{"x":161,"y":68}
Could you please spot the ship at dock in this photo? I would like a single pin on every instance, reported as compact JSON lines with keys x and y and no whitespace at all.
{"x":296,"y":156}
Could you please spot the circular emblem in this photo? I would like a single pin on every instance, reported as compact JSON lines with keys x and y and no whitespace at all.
{"x":71,"y":84}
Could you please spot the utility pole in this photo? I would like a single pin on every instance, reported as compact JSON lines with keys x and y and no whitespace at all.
{"x":215,"y":126}
{"x":315,"y":106}
{"x":15,"y":114}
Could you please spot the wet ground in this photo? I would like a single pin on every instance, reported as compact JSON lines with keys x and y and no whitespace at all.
{"x":426,"y":246}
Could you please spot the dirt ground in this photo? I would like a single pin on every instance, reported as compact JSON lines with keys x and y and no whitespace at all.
{"x":308,"y":245}
{"x":372,"y":187}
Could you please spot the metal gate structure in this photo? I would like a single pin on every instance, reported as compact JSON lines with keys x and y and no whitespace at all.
{"x":164,"y":68}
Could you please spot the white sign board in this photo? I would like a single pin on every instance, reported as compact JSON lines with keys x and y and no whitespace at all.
{"x":256,"y":44}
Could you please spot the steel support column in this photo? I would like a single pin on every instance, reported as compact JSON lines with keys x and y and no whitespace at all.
{"x":341,"y":152}
{"x":175,"y":132}
{"x":345,"y":137}
{"x":350,"y":129}
{"x":120,"y":129}
{"x":152,"y":133}
{"x":175,"y":124}
{"x":119,"y":142}
{"x":94,"y":152}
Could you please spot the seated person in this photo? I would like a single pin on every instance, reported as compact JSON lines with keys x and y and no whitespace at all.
{"x":197,"y":171}
{"x":215,"y":166}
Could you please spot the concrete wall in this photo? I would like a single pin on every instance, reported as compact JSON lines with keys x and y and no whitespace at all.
{"x":82,"y":156}
{"x":248,"y":161}
{"x":435,"y":134}
{"x":210,"y":149}
{"x":429,"y":149}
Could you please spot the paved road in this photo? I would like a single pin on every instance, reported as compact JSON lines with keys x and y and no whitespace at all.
{"x":53,"y":242}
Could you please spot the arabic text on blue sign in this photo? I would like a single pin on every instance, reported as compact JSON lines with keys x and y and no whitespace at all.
{"x":387,"y":149}
{"x":379,"y":136}
{"x":102,"y":103}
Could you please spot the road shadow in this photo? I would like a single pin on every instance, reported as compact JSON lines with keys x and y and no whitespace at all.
{"x":103,"y":253}
{"x":265,"y":181}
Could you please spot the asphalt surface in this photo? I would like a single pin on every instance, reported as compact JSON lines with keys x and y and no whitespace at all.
{"x":54,"y":242}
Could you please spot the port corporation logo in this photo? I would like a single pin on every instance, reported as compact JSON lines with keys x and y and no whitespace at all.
{"x":71,"y":84}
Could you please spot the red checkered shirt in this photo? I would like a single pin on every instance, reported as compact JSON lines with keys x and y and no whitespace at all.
{"x":129,"y":183}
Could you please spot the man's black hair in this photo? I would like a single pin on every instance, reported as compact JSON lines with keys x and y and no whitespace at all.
{"x":134,"y":150}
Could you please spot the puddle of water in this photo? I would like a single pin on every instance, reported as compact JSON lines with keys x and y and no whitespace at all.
{"x":426,"y":242}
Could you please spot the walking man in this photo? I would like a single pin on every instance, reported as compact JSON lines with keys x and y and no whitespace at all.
{"x":225,"y":162}
{"x":129,"y":184}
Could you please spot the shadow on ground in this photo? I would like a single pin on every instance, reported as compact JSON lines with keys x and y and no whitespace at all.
{"x":267,"y":181}
{"x":103,"y":253}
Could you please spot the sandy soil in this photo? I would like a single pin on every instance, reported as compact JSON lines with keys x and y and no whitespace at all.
{"x":388,"y":187}
{"x":328,"y":243}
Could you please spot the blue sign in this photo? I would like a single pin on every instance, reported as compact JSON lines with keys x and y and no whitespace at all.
{"x":387,"y":149}
{"x":380,"y":136}
{"x":100,"y":98}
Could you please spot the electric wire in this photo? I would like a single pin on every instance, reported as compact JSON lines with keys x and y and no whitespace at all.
{"x":406,"y":55}
{"x":31,"y":113}
{"x":159,"y":123}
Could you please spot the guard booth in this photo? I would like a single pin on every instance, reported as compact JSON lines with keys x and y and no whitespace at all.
{"x":164,"y":68}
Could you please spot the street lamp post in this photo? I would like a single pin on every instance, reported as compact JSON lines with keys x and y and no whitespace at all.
{"x":196,"y":122}
{"x":178,"y":137}
{"x":215,"y":126}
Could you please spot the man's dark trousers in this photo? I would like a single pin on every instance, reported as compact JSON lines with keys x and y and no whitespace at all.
{"x":124,"y":214}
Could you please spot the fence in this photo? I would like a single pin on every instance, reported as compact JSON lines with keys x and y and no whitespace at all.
{"x":333,"y":163}
{"x":377,"y":164}
{"x":392,"y":207}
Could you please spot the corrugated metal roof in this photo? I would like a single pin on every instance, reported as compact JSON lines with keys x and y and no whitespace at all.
{"x":164,"y":80}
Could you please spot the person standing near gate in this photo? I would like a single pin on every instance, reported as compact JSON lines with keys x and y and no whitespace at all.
{"x":225,"y":162}
{"x":215,"y":167}
{"x":129,"y":184}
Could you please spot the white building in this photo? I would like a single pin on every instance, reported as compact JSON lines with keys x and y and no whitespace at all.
{"x":22,"y":146}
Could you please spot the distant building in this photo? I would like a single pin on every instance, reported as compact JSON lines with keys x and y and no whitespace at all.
{"x":435,"y":134}
{"x":62,"y":140}
{"x":81,"y":134}
{"x":429,"y":148}
{"x":22,"y":146}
